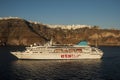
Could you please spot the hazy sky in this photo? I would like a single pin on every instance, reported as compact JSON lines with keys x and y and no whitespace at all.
{"x":103,"y":13}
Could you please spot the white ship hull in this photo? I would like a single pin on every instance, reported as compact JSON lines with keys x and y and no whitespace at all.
{"x":56,"y":56}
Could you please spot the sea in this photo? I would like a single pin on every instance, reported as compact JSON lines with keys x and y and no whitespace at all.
{"x":107,"y":68}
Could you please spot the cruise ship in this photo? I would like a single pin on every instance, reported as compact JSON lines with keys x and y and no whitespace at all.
{"x":50,"y":51}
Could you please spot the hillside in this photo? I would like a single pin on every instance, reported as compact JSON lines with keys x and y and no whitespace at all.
{"x":16,"y":31}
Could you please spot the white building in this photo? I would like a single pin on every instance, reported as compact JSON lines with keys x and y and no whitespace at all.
{"x":69,"y":26}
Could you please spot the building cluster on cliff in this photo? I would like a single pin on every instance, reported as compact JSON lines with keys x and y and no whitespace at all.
{"x":74,"y":26}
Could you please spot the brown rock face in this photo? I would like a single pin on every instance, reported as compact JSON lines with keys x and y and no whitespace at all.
{"x":22,"y":32}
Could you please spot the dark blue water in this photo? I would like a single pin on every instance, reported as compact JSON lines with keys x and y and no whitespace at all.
{"x":108,"y":68}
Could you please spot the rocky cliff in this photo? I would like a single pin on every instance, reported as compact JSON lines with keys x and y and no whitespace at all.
{"x":16,"y":31}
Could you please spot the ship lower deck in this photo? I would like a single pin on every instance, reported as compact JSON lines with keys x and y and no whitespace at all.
{"x":56,"y":56}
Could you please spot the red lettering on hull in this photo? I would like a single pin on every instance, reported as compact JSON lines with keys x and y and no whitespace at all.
{"x":70,"y":56}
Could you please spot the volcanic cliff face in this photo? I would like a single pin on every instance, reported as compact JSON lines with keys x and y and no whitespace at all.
{"x":20,"y":32}
{"x":16,"y":31}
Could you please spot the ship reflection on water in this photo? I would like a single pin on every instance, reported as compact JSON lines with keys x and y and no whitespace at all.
{"x":57,"y":69}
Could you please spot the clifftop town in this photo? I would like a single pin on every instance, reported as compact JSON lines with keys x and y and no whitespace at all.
{"x":17,"y":31}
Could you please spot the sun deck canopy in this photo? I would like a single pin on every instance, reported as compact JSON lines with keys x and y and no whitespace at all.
{"x":83,"y":43}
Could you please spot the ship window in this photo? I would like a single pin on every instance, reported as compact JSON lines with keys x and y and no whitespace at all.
{"x":35,"y":52}
{"x":71,"y":50}
{"x":58,"y":50}
{"x":78,"y":50}
{"x":65,"y":50}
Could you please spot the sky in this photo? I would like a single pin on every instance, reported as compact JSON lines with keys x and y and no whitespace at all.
{"x":103,"y":13}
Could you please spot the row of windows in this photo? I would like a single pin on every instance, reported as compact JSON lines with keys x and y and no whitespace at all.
{"x":68,"y":50}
